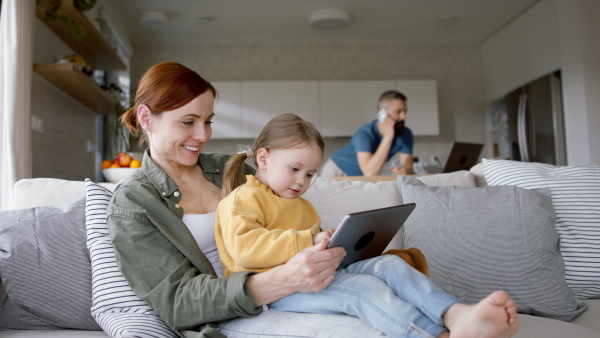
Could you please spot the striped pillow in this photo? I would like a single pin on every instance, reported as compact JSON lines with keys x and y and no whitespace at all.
{"x":118,"y":311}
{"x":575,"y":192}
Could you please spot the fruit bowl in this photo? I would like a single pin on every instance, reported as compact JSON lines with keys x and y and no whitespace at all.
{"x":114,"y":175}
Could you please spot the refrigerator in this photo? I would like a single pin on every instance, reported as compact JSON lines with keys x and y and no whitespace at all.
{"x":527,"y":124}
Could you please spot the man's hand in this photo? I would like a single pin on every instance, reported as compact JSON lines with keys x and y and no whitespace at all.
{"x":399,"y":170}
{"x":387,"y":127}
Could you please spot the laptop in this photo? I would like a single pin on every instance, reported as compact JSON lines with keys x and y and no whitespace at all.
{"x":366,"y":234}
{"x":462,"y":156}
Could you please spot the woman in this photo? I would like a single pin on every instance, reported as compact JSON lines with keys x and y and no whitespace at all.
{"x":168,"y":263}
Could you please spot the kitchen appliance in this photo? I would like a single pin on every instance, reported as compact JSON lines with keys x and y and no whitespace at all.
{"x":528,"y":125}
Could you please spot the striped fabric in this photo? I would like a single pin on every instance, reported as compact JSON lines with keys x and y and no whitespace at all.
{"x":575,"y":192}
{"x":118,"y":311}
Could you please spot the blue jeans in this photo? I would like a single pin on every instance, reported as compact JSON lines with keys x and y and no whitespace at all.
{"x":385,"y":292}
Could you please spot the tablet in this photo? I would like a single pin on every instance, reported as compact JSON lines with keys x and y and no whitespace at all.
{"x":366,"y":234}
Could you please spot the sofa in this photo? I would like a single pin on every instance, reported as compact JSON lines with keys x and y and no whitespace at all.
{"x":477,"y":235}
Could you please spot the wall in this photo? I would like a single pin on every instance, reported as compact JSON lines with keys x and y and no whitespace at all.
{"x":552,"y":35}
{"x":60,"y":150}
{"x":522,"y":51}
{"x":580,"y":62}
{"x":457,"y":69}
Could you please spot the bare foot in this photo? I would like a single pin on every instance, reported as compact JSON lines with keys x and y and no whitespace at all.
{"x":494,"y":316}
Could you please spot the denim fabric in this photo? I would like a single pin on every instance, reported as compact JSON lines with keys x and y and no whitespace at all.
{"x":385,"y":292}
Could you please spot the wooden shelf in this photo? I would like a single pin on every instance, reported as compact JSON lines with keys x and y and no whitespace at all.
{"x":94,"y":49}
{"x":68,"y":78}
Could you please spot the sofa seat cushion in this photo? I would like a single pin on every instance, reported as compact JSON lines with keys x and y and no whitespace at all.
{"x":478,"y":240}
{"x":575,"y":193}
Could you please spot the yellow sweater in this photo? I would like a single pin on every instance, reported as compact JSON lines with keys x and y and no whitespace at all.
{"x":256,"y":230}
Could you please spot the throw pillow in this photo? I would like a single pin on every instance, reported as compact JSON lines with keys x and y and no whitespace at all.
{"x":116,"y":308}
{"x":478,"y":240}
{"x":575,"y":192}
{"x":45,"y":268}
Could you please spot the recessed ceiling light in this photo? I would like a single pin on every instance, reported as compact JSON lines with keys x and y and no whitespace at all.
{"x":153,"y":18}
{"x":205,"y":19}
{"x":329,"y":19}
{"x":449,"y":21}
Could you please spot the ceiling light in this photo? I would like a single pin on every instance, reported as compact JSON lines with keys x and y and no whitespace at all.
{"x":153,"y":18}
{"x":449,"y":21}
{"x":329,"y":19}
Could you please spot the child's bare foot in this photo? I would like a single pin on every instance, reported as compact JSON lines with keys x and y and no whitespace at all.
{"x":494,"y":316}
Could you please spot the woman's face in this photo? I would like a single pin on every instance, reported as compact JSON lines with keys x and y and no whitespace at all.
{"x":176,"y":137}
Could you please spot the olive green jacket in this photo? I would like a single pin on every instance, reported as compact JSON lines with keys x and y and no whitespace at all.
{"x":160,"y":258}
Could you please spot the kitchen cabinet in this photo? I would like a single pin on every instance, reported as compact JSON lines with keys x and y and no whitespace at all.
{"x":337,"y":108}
{"x":347,"y":105}
{"x":227,"y":122}
{"x":262,"y":100}
{"x":422,"y":116}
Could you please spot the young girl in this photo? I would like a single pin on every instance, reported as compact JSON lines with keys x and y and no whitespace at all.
{"x":263,"y":222}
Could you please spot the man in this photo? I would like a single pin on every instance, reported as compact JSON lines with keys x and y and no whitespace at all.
{"x":373,"y":144}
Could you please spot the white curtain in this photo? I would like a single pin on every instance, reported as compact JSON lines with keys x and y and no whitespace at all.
{"x":16,"y":54}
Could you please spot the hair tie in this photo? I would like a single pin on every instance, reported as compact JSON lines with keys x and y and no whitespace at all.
{"x":249,"y":153}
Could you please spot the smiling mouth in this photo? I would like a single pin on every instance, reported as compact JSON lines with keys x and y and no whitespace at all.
{"x":191,"y":148}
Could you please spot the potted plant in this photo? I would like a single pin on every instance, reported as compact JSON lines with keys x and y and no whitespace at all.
{"x":52,"y":14}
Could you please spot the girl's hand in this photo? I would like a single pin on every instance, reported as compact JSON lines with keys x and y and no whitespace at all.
{"x":323,"y":234}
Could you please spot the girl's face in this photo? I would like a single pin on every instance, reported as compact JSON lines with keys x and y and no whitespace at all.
{"x":176,"y":137}
{"x":289,"y":172}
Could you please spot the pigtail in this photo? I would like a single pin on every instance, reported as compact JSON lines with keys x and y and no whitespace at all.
{"x":234,"y":173}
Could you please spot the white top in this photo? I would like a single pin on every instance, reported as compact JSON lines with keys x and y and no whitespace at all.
{"x":202,"y":227}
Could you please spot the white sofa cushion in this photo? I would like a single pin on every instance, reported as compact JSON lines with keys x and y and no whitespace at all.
{"x":576,"y":197}
{"x":33,"y":192}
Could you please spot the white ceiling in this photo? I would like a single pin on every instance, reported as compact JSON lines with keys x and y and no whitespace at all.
{"x":286,"y":21}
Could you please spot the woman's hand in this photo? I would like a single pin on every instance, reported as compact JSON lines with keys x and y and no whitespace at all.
{"x":319,"y":236}
{"x":310,"y":270}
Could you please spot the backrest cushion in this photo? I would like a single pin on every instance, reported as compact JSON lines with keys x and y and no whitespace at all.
{"x":575,"y":192}
{"x":478,"y":240}
{"x":116,"y":308}
{"x":45,"y":268}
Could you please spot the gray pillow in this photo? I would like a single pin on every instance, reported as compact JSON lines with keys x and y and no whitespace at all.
{"x":477,"y":240}
{"x":45,"y":268}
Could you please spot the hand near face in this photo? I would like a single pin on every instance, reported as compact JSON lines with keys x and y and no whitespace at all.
{"x":387,"y":127}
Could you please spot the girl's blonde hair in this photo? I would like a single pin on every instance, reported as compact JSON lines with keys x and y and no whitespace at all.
{"x":281,"y":132}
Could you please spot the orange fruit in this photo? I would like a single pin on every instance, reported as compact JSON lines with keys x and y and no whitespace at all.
{"x":115,"y":165}
{"x":135,"y":164}
{"x":106,"y":164}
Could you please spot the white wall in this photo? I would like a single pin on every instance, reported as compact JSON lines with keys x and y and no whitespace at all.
{"x":552,"y":35}
{"x":580,"y":62}
{"x":524,"y":50}
{"x":60,"y":151}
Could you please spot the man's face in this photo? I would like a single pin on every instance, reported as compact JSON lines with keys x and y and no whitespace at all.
{"x":397,"y":111}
